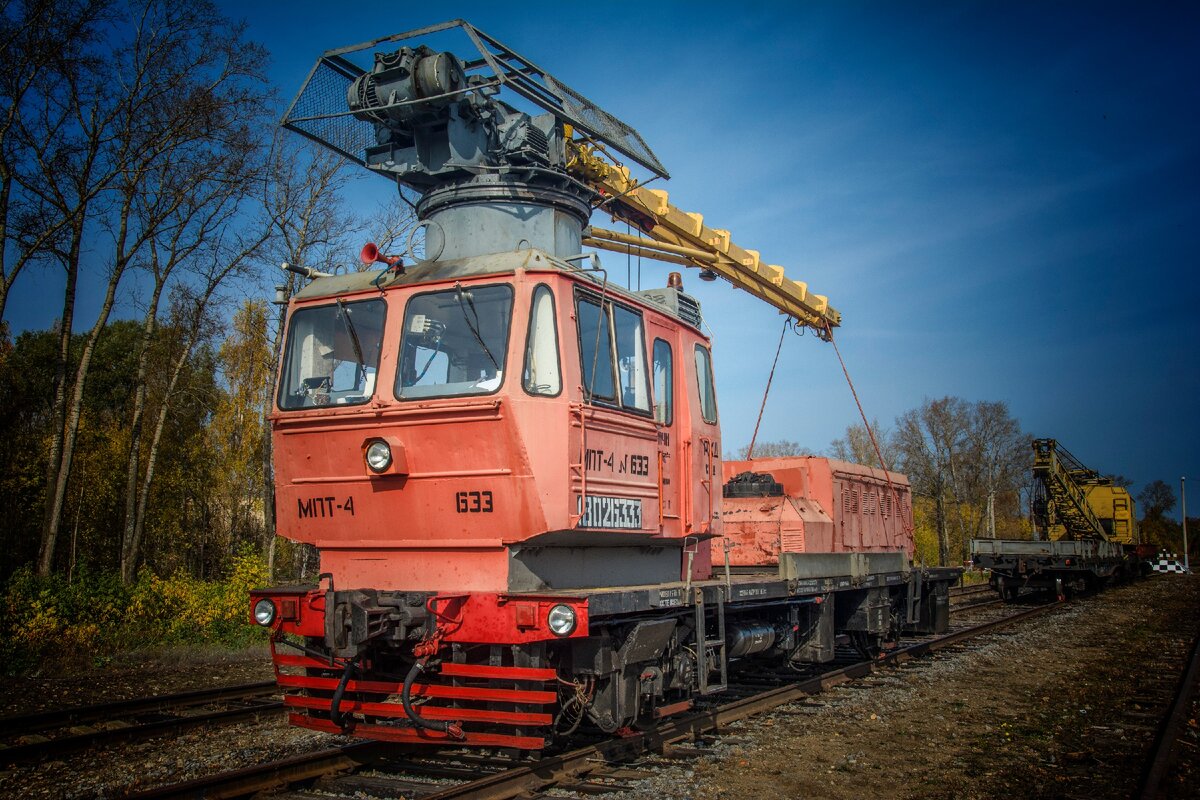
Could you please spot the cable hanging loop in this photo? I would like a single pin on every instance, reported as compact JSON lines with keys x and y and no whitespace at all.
{"x":908,"y":529}
{"x":750,"y":452}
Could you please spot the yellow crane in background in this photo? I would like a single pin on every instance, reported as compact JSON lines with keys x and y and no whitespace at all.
{"x":1076,"y":502}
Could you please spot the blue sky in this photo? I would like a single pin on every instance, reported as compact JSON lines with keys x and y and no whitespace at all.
{"x":999,"y":197}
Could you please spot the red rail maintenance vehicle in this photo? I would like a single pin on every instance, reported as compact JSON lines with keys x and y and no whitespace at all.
{"x":511,"y":466}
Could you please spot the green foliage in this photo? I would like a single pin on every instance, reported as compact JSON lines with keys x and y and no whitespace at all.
{"x":925,"y":535}
{"x":77,"y":620}
{"x":235,"y":436}
{"x":94,"y":510}
{"x":965,"y":520}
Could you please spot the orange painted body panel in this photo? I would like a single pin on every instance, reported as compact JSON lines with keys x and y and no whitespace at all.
{"x":829,"y":506}
{"x":523,"y":461}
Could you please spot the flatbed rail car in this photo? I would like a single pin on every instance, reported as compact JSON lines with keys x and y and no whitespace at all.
{"x":1087,"y":529}
{"x":511,"y":467}
{"x":1058,"y":566}
{"x":634,"y":655}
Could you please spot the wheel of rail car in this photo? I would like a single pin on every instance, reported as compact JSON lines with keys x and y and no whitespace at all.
{"x":645,"y":720}
{"x":1010,"y":593}
{"x":868,"y":645}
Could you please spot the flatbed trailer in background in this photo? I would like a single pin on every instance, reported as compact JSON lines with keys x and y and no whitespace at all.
{"x":1059,"y":566}
{"x":1087,"y":529}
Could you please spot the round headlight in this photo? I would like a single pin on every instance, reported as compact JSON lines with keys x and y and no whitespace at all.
{"x":561,"y":620}
{"x":379,"y":455}
{"x":264,"y":612}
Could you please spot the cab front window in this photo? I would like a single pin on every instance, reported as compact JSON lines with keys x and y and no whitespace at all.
{"x":455,"y":342}
{"x":332,"y":354}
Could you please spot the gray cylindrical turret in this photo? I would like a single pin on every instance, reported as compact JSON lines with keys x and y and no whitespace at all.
{"x":496,"y":214}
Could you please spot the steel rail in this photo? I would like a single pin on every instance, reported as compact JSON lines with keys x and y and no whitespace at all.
{"x":1166,"y":738}
{"x":81,"y":715}
{"x":138,"y":730}
{"x":967,"y":591}
{"x":249,"y":780}
{"x":963,"y":598}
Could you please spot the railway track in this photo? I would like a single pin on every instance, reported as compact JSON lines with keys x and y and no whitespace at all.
{"x":962,"y":597}
{"x":1167,"y":737}
{"x":602,"y":766}
{"x":50,"y":733}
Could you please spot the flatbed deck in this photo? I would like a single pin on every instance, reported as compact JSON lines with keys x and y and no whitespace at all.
{"x":1077,"y":564}
{"x":807,"y":577}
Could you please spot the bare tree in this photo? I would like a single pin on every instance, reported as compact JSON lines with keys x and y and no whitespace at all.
{"x":191,"y":308}
{"x":41,"y":41}
{"x":999,"y":455}
{"x":61,"y":151}
{"x":778,"y":449}
{"x":168,"y":91}
{"x":217,"y":256}
{"x":215,"y":176}
{"x":390,"y":227}
{"x":856,"y":446}
{"x":930,"y":441}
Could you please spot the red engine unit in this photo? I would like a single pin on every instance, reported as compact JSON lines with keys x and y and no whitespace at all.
{"x":511,"y":466}
{"x":810,"y":504}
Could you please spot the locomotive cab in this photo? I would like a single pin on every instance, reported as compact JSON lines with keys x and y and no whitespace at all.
{"x":520,"y":427}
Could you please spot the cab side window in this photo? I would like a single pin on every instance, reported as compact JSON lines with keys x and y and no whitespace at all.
{"x":612,"y":354}
{"x":542,"y":373}
{"x":704,"y":380}
{"x":595,"y":351}
{"x":631,"y":359}
{"x":663,"y":382}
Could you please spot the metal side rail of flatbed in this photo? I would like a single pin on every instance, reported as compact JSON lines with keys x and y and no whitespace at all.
{"x":1059,"y":566}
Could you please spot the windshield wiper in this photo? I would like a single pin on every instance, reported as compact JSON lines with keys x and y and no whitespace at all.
{"x":474,"y":327}
{"x":358,"y":353}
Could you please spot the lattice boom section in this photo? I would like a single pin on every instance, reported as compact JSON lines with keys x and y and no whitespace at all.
{"x":320,"y":112}
{"x":604,"y":125}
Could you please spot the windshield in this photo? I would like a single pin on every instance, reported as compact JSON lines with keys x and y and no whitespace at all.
{"x":455,"y":342}
{"x":332,"y":355}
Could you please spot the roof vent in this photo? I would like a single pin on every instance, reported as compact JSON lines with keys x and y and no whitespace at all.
{"x":681,"y":305}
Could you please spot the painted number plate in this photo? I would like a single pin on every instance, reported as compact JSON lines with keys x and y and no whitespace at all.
{"x":612,"y":512}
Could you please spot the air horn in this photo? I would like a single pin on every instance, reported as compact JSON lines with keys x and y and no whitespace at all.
{"x":370,"y":255}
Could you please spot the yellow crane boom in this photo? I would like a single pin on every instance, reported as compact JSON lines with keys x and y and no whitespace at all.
{"x":681,"y":237}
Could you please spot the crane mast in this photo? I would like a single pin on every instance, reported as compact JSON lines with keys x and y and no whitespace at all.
{"x":1077,"y":502}
{"x":436,"y":124}
{"x":1064,"y":477}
